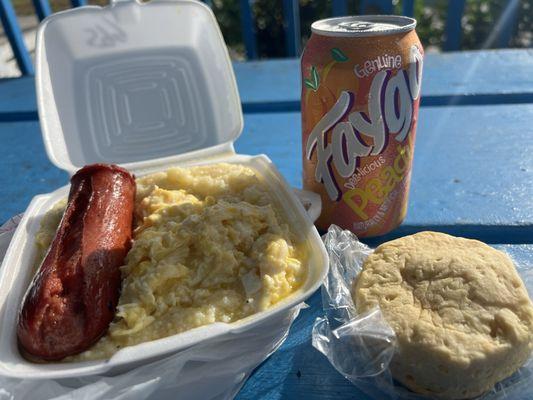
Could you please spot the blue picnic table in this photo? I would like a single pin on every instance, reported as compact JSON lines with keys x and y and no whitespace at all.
{"x":472,"y":174}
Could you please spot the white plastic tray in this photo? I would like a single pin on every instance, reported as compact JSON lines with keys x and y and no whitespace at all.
{"x":16,"y":273}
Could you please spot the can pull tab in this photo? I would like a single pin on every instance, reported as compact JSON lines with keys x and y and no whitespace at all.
{"x":358,"y":26}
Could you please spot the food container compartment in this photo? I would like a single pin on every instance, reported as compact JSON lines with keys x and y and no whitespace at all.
{"x":16,"y":273}
{"x":147,"y":86}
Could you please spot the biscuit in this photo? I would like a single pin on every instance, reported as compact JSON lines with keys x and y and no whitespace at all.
{"x":462,"y":316}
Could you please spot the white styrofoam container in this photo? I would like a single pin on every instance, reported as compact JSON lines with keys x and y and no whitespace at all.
{"x":146,"y":86}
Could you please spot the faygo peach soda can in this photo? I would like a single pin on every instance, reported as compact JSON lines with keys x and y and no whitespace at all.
{"x":361,"y":81}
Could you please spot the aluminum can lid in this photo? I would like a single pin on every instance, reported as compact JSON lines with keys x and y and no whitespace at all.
{"x":363,"y":25}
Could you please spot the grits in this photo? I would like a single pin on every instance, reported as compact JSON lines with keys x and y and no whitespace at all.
{"x":210,"y":245}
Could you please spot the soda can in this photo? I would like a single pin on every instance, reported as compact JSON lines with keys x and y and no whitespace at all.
{"x":361,"y":80}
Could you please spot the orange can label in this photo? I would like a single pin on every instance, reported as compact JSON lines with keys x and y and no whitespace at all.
{"x":360,"y":100}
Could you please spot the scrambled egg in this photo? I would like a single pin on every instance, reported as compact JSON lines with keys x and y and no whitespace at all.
{"x":210,"y":245}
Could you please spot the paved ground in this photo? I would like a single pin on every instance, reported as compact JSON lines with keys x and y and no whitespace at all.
{"x":8,"y":65}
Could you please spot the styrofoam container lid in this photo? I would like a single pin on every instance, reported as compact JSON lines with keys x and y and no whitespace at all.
{"x":133,"y":82}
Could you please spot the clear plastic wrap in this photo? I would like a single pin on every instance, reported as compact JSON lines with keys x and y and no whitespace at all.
{"x":361,"y":346}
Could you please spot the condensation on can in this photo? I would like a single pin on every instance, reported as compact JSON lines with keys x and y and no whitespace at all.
{"x":361,"y":81}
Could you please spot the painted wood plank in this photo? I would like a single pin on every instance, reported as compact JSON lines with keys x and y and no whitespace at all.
{"x":408,"y":7}
{"x":291,"y":24}
{"x":506,"y":25}
{"x":501,"y":76}
{"x":376,"y":6}
{"x":248,"y":29}
{"x":453,"y":30}
{"x":42,"y":8}
{"x":463,"y":170}
{"x":25,"y":170}
{"x":78,"y":3}
{"x":14,"y":35}
{"x":471,"y":174}
{"x":339,"y":8}
{"x":472,"y":168}
{"x":474,"y":77}
{"x":298,"y":371}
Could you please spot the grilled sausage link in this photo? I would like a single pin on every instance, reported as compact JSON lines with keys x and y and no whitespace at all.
{"x":72,"y":298}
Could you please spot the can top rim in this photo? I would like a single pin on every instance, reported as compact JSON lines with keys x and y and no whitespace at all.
{"x":363,"y":25}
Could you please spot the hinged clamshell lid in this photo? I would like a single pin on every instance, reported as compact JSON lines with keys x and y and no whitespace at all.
{"x":133,"y":82}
